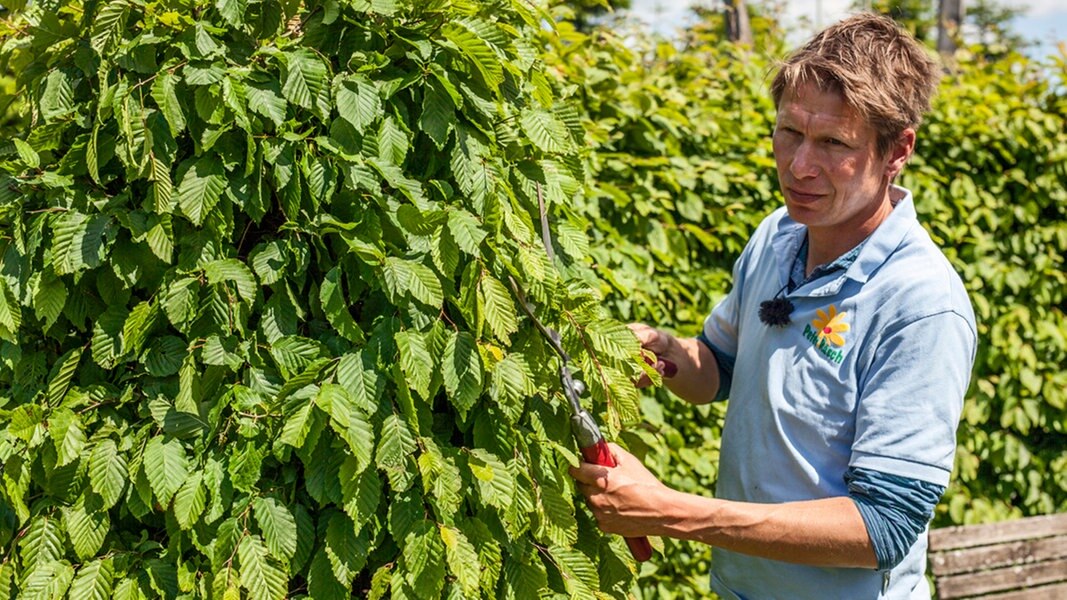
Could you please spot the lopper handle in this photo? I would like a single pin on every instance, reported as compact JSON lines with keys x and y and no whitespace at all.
{"x":600,"y":454}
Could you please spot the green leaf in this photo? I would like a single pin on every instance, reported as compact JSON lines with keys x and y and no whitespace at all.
{"x":462,"y":370}
{"x":466,"y":230}
{"x":107,"y":336}
{"x":382,"y":7}
{"x":182,"y":301}
{"x":442,"y":478}
{"x":138,"y":325}
{"x":393,"y":143}
{"x":165,"y":466}
{"x":395,"y":443}
{"x":322,"y":582}
{"x":305,"y":80}
{"x":472,"y":167}
{"x":190,"y":500}
{"x":462,"y":560}
{"x":424,"y":557}
{"x":108,"y":26}
{"x":159,"y":237}
{"x":164,"y":356}
{"x":358,"y":101}
{"x":438,"y":114}
{"x":94,"y":580}
{"x":495,"y":483}
{"x":231,"y":269}
{"x":496,"y":304}
{"x":79,"y":243}
{"x":579,"y":573}
{"x":48,"y":300}
{"x":416,"y":362}
{"x":557,"y":524}
{"x":10,"y":313}
{"x":545,"y":130}
{"x":364,"y":384}
{"x":361,"y":492}
{"x":405,"y":276}
{"x":278,"y":527}
{"x":107,"y":472}
{"x":57,"y":97}
{"x":260,"y":575}
{"x":164,"y":92}
{"x":232,"y":11}
{"x":43,"y":542}
{"x":46,"y":582}
{"x":477,"y":51}
{"x":265,"y":98}
{"x":297,"y":426}
{"x":335,"y":306}
{"x":200,"y":189}
{"x":345,"y":551}
{"x":67,"y":435}
{"x":26,"y":152}
{"x":86,"y":528}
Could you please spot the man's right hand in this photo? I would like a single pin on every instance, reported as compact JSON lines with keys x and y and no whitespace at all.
{"x":697,"y":377}
{"x":656,"y":341}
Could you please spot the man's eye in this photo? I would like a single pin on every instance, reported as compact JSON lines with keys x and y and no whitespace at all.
{"x":835,"y":142}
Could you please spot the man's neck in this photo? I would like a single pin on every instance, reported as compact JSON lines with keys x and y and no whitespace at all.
{"x":825,"y":244}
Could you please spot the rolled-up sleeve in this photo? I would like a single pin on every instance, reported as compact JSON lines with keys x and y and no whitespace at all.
{"x":911,"y":398}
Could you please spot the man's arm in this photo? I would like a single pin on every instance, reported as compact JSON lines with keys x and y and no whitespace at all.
{"x":697,"y":380}
{"x":628,"y":500}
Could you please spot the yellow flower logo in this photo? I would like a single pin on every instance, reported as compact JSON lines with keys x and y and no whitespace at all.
{"x":831,"y":326}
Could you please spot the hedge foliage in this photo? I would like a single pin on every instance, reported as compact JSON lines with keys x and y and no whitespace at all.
{"x":258,"y":332}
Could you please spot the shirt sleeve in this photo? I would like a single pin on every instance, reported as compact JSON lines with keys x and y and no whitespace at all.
{"x":911,"y":396}
{"x":725,"y":363}
{"x":894,"y":509}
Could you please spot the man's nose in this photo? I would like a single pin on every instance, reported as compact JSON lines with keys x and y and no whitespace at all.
{"x":803,"y":165}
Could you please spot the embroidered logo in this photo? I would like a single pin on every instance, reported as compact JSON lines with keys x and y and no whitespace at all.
{"x":825,"y":331}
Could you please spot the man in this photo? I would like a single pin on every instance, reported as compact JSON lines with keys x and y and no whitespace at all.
{"x":845,"y":347}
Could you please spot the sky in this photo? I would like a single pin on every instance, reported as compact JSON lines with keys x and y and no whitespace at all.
{"x":1044,"y":22}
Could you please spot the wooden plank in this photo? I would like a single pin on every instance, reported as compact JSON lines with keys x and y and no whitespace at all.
{"x":968,"y":536}
{"x":1056,"y":591}
{"x":1027,"y":576}
{"x":983,"y":558}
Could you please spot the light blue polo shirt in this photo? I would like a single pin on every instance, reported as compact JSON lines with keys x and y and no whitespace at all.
{"x":870,"y":372}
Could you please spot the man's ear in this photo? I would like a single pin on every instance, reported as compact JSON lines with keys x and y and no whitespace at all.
{"x":900,"y":152}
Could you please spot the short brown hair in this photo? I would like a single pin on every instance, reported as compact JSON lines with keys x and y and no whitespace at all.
{"x":880,"y":70}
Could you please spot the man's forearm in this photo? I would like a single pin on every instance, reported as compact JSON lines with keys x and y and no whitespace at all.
{"x":829,"y":532}
{"x":697,"y":380}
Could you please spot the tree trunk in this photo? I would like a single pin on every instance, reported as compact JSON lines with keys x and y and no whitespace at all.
{"x":949,"y":19}
{"x":738,"y":28}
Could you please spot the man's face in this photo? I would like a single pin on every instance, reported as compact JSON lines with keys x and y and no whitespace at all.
{"x":829,"y":169}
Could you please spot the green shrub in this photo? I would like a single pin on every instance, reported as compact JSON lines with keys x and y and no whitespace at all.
{"x":256,"y":320}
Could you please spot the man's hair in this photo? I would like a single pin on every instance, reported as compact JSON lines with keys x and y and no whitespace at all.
{"x":880,"y":70}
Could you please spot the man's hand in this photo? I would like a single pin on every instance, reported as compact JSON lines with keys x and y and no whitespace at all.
{"x":696,"y":375}
{"x":656,"y":341}
{"x":625,"y":499}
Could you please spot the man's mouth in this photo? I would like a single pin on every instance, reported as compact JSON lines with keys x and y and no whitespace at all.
{"x":803,"y":197}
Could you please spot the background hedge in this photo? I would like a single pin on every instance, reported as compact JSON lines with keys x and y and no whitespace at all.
{"x":257,"y":331}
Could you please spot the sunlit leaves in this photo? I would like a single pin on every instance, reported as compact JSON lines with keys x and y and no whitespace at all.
{"x":257,"y":334}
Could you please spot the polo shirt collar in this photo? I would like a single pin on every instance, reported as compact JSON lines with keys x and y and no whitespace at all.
{"x":876,"y":248}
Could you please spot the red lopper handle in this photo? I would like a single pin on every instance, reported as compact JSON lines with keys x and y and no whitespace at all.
{"x":600,"y":454}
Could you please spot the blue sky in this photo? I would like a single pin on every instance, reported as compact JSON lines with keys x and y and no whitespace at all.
{"x":1045,"y":21}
